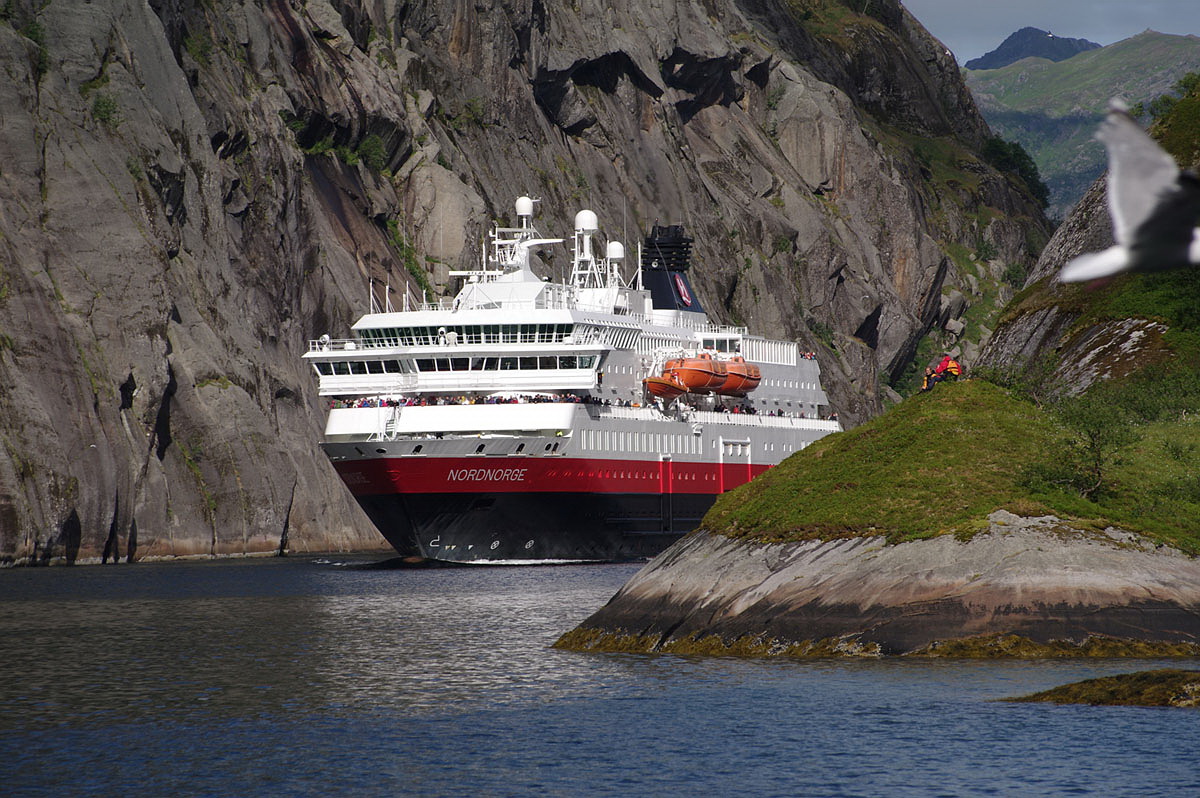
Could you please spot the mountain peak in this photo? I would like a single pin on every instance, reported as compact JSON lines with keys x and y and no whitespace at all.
{"x":1031,"y":42}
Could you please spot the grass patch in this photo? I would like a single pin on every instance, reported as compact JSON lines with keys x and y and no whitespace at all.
{"x":940,"y":462}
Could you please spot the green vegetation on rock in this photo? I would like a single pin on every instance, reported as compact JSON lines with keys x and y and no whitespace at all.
{"x":940,"y":462}
{"x":993,"y":646}
{"x":916,"y":471}
{"x":1160,"y":688}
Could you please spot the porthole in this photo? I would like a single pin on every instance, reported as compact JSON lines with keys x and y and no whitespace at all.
{"x":479,"y":449}
{"x":381,"y":451}
{"x":547,"y":447}
{"x":417,"y":449}
{"x":520,"y":448}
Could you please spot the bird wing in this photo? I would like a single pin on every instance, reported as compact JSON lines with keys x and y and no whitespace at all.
{"x":1095,"y":265}
{"x":1139,"y":172}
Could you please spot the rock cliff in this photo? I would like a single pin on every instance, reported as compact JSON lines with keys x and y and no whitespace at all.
{"x":190,"y":191}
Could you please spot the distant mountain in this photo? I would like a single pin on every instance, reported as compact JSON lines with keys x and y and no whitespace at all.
{"x":1052,"y":108}
{"x":1031,"y":43}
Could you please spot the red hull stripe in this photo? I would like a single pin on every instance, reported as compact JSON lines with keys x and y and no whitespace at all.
{"x":540,"y":475}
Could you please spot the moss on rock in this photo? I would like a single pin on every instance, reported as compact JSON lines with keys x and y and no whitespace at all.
{"x":1158,"y":688}
{"x":1005,"y":646}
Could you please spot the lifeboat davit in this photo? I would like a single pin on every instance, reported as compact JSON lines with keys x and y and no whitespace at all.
{"x":665,"y":387}
{"x":740,"y":378}
{"x":699,"y":374}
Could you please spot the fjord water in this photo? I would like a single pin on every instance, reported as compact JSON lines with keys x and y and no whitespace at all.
{"x":312,"y":676}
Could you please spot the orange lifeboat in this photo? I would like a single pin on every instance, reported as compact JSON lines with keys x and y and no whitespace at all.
{"x":700,"y":374}
{"x":665,"y":387}
{"x":740,"y":379}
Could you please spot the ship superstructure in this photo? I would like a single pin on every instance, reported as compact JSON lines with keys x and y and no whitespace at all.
{"x":529,"y":420}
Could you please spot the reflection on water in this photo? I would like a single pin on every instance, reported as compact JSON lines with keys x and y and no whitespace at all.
{"x":264,"y":636}
{"x":303,"y":676}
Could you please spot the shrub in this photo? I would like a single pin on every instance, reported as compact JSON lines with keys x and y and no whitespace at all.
{"x":372,"y":153}
{"x":105,"y":111}
{"x":1011,"y":157}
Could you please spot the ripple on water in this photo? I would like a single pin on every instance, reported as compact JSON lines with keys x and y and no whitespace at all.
{"x":299,"y":676}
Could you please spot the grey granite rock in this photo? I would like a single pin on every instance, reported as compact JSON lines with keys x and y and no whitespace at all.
{"x":1032,"y":577}
{"x":185,"y":202}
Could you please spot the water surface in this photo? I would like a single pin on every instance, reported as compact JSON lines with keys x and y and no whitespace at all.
{"x":310,"y":675}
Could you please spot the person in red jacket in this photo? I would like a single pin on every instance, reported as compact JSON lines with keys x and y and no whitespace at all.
{"x":947,"y":369}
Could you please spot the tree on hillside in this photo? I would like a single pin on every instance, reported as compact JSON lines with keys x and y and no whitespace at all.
{"x":1011,"y":157}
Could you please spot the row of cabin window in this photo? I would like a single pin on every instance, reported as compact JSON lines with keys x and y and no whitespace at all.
{"x":466,"y":334}
{"x":506,"y":363}
{"x":348,"y":367}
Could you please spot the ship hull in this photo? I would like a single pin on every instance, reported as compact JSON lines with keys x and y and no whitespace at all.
{"x":536,"y":509}
{"x":500,"y":528}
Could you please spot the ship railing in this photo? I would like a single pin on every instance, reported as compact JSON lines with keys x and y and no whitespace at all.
{"x":367,"y":385}
{"x":759,"y":420}
{"x":632,"y":413}
{"x":335,"y":345}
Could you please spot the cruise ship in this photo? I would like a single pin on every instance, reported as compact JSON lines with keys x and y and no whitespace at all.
{"x":529,"y":420}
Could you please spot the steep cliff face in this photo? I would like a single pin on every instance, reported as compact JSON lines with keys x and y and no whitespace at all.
{"x":192,"y":191}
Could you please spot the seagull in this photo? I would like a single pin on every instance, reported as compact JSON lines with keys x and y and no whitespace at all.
{"x":1154,"y":206}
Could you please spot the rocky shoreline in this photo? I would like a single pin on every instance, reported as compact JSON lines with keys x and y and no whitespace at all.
{"x":1026,"y":587}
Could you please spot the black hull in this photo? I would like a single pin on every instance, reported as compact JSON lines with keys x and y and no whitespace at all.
{"x":531,"y":527}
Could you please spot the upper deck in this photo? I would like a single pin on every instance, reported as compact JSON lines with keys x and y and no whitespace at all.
{"x":597,"y":336}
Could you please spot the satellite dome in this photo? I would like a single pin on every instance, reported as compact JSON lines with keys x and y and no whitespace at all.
{"x":616,"y":250}
{"x":586,"y":222}
{"x":524,"y":206}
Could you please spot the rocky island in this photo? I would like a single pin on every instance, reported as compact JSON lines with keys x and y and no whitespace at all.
{"x":916,"y":533}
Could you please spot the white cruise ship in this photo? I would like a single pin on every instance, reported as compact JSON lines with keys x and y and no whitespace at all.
{"x":528,"y":420}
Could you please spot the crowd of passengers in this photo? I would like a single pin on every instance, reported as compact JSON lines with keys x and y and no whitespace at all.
{"x":433,"y":401}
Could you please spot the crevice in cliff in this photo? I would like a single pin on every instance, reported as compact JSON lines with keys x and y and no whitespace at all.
{"x":931,"y":304}
{"x":868,"y":331}
{"x":161,"y":440}
{"x":301,"y":56}
{"x":169,"y":188}
{"x":111,"y":544}
{"x":287,"y":523}
{"x":128,"y":389}
{"x":229,"y":145}
{"x":70,"y":535}
{"x":131,"y":544}
{"x":556,"y":92}
{"x":710,"y":81}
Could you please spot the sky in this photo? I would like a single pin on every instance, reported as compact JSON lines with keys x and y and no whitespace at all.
{"x":971,"y":28}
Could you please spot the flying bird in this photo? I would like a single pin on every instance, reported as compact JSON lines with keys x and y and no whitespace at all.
{"x":1154,"y":206}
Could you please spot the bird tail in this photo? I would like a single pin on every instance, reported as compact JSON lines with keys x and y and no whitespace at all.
{"x":1095,"y":265}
